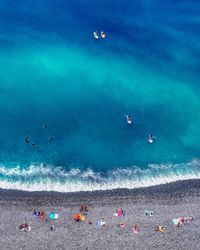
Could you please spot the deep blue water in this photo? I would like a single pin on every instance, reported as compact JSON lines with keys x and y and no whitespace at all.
{"x":53,"y":71}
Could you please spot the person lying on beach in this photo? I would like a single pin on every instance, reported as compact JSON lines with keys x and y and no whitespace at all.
{"x":25,"y":228}
{"x":90,"y":222}
{"x":148,"y":213}
{"x":135,"y":229}
{"x":79,"y":217}
{"x":121,"y":224}
{"x":38,"y":214}
{"x":160,"y":229}
{"x":83,"y":209}
{"x":101,"y":223}
{"x":119,"y":212}
{"x":182,"y":220}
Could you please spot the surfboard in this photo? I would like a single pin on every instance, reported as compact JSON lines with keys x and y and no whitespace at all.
{"x":96,"y":35}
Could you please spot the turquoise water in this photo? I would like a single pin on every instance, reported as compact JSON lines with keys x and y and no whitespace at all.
{"x":53,"y":71}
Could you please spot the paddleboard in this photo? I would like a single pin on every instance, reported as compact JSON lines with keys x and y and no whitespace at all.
{"x":96,"y":35}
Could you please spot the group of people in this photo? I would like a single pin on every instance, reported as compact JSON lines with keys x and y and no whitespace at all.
{"x":129,"y":121}
{"x":24,"y":228}
{"x":83,"y":212}
{"x":96,"y":35}
{"x":27,"y":139}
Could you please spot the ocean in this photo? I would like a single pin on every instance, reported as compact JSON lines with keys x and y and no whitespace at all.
{"x":54,"y":72}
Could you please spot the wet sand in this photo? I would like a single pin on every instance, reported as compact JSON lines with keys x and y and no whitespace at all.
{"x":168,"y":201}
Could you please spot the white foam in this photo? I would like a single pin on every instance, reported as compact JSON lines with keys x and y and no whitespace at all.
{"x":49,"y":178}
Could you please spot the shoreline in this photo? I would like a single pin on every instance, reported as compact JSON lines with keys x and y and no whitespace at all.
{"x":188,"y":187}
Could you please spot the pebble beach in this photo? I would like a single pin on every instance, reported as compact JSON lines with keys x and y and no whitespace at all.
{"x":180,"y":199}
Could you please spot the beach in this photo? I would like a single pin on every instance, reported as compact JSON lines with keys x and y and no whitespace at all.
{"x":99,"y":108}
{"x":173,"y":200}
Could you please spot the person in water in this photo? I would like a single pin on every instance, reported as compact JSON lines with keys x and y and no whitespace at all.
{"x":129,"y":120}
{"x":103,"y":34}
{"x":45,"y":125}
{"x":151,"y":138}
{"x":26,"y":140}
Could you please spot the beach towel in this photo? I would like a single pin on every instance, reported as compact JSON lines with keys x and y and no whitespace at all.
{"x":100,"y":223}
{"x":53,"y":216}
{"x":148,"y":213}
{"x":82,"y":218}
{"x":42,"y":215}
{"x":175,"y":221}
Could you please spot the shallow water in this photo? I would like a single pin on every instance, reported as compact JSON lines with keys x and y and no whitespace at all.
{"x":53,"y":71}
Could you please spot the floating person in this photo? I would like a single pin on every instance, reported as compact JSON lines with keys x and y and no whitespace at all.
{"x":45,"y":125}
{"x":128,"y":119}
{"x":26,"y":140}
{"x":103,"y":34}
{"x":96,"y":36}
{"x":151,"y":138}
{"x":33,"y":145}
{"x":50,"y":138}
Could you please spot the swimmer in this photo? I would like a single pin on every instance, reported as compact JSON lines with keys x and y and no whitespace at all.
{"x":151,"y":138}
{"x":45,"y":125}
{"x":128,"y":118}
{"x":50,"y":138}
{"x":26,"y":140}
{"x":103,"y":34}
{"x":96,"y":36}
{"x":33,"y":145}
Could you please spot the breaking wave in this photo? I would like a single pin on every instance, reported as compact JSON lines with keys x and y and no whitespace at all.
{"x":48,"y":178}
